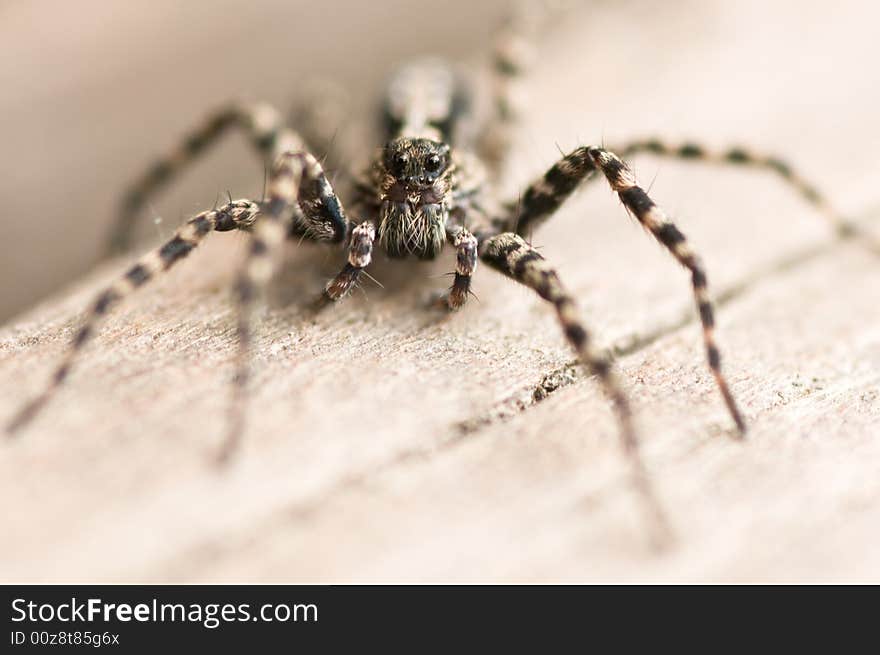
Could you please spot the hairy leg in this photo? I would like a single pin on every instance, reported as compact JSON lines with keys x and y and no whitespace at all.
{"x":360,"y":254}
{"x":259,"y":121}
{"x":739,"y":156}
{"x":465,"y":264}
{"x":542,"y":198}
{"x":545,"y":195}
{"x":235,"y":215}
{"x":634,"y":198}
{"x":322,"y":218}
{"x":512,"y":256}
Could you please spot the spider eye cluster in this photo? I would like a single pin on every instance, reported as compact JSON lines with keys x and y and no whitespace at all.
{"x":433,"y":163}
{"x":416,"y":159}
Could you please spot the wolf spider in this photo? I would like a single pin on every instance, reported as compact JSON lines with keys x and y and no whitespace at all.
{"x":424,"y":188}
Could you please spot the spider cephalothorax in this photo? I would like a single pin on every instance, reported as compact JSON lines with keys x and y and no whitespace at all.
{"x":413,"y":178}
{"x":418,"y":194}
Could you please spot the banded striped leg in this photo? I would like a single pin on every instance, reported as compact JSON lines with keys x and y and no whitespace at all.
{"x":466,"y":247}
{"x":320,"y":218}
{"x":653,"y":218}
{"x":545,"y":195}
{"x":512,"y":256}
{"x":465,"y":264}
{"x":235,"y":215}
{"x":261,"y":123}
{"x":740,"y":157}
{"x":360,"y":254}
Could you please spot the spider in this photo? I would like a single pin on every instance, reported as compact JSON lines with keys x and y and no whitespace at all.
{"x":425,"y":188}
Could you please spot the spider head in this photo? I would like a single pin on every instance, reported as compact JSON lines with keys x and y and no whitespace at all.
{"x":415,"y":185}
{"x":415,"y":165}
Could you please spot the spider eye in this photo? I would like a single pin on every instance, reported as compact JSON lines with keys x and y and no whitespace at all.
{"x":400,"y":161}
{"x":432,"y":163}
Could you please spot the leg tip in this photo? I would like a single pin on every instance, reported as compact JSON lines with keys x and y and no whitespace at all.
{"x":731,"y":405}
{"x":222,"y":459}
{"x":22,"y":418}
{"x":12,"y":427}
{"x":237,"y":420}
{"x":660,"y":533}
{"x":320,"y":303}
{"x":225,"y":455}
{"x":846,"y":229}
{"x":455,"y":299}
{"x":438,"y":301}
{"x":662,"y":539}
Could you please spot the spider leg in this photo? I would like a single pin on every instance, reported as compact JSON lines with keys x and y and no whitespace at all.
{"x":653,"y":218}
{"x":321,"y":218}
{"x":465,"y":245}
{"x":512,"y":256}
{"x":235,"y":215}
{"x":546,"y":195}
{"x":739,"y":156}
{"x":360,"y":254}
{"x":261,"y":123}
{"x":465,"y":264}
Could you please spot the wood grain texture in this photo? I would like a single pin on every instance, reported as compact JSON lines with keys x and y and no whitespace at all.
{"x":387,"y":445}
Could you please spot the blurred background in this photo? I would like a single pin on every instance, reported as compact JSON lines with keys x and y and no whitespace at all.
{"x":93,"y":90}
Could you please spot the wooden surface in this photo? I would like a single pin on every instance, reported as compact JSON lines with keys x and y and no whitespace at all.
{"x":387,"y":446}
